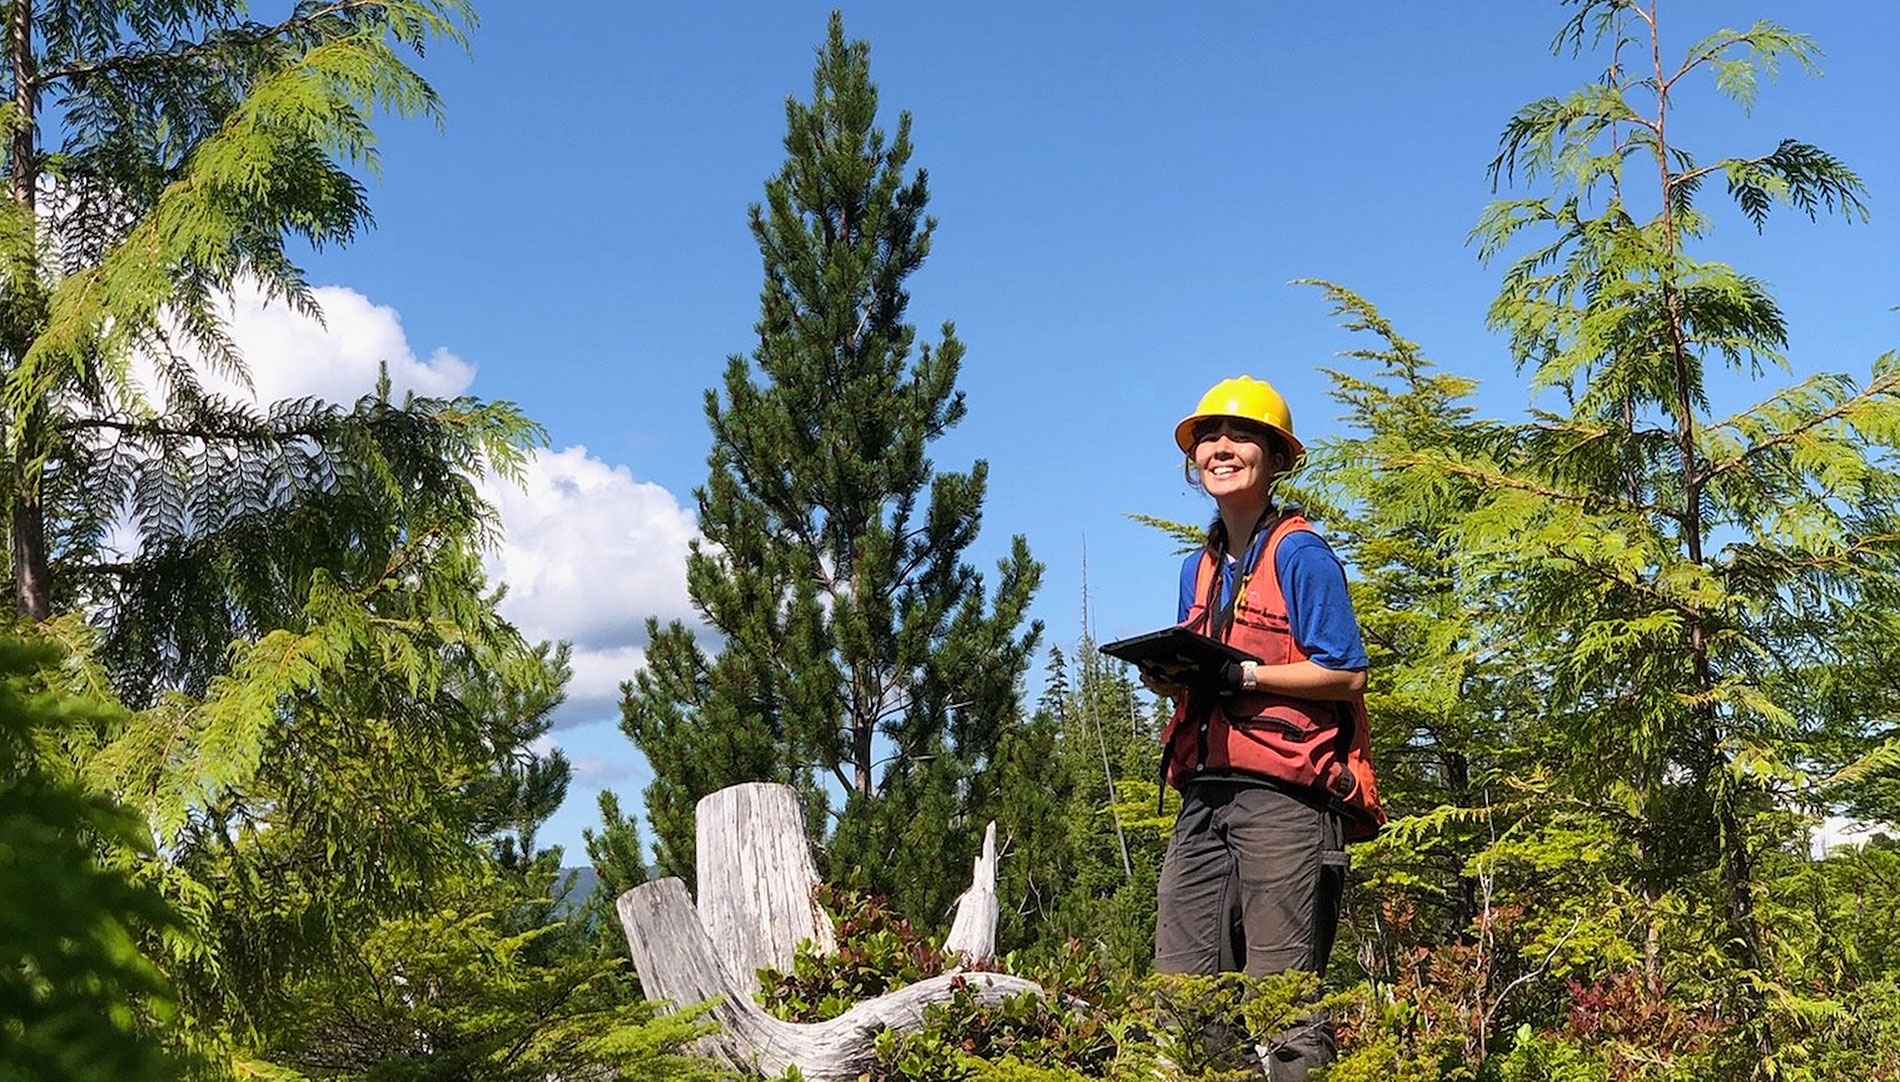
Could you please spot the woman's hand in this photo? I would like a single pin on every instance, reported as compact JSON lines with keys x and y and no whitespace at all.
{"x":1161,"y":685}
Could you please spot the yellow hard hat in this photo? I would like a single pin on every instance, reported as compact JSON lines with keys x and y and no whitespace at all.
{"x":1248,"y":399}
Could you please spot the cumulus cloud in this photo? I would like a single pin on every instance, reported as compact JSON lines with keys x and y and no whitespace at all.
{"x":594,"y":687}
{"x":292,"y":355}
{"x":1837,"y":832}
{"x":588,"y":551}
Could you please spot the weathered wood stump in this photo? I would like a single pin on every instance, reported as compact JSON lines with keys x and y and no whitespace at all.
{"x":756,"y":877}
{"x":973,"y":932}
{"x":761,"y":911}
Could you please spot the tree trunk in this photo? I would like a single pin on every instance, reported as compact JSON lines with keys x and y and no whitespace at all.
{"x":678,"y":965}
{"x":23,"y":150}
{"x":973,"y":933}
{"x":32,"y":587}
{"x":1652,"y":943}
{"x":26,"y":525}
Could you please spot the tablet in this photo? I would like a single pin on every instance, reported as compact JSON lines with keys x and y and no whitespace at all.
{"x":1187,"y":653}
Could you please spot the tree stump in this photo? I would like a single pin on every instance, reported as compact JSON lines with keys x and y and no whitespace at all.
{"x":682,"y":962}
{"x":973,"y":932}
{"x":756,"y":877}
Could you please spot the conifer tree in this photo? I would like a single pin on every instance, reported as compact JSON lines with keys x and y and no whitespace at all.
{"x":524,"y":787}
{"x":75,"y":989}
{"x":158,"y":153}
{"x":1491,"y":867}
{"x":1091,"y":875}
{"x":486,"y":984}
{"x":615,"y":849}
{"x":324,"y":706}
{"x":499,"y":977}
{"x":620,"y":864}
{"x":859,"y":651}
{"x":1445,"y":734}
{"x":1689,"y":593}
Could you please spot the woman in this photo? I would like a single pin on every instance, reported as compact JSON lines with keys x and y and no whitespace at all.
{"x":1269,"y":755}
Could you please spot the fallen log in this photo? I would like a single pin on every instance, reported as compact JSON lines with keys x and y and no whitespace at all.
{"x":755,"y":904}
{"x":677,"y":964}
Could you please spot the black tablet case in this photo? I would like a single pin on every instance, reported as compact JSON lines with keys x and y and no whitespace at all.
{"x":1154,"y":652}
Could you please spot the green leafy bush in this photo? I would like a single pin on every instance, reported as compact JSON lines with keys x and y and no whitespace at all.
{"x":877,"y":952}
{"x":79,"y":995}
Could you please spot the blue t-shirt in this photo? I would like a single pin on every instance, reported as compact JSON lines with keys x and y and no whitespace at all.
{"x":1318,"y":608}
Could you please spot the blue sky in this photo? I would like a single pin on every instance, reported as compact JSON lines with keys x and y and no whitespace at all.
{"x":1124,"y":193}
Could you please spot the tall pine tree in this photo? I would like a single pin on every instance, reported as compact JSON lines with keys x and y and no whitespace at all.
{"x":861,"y":655}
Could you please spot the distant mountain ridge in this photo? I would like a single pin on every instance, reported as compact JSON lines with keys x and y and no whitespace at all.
{"x":572,"y":888}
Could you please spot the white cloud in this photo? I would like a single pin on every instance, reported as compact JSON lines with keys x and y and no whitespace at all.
{"x":588,"y":551}
{"x":588,"y":554}
{"x":594,"y":688}
{"x":1836,"y":832}
{"x":292,"y":355}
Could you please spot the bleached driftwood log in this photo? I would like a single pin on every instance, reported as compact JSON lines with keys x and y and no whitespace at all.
{"x":677,"y":964}
{"x":759,"y":912}
{"x":973,"y":932}
{"x":756,"y":877}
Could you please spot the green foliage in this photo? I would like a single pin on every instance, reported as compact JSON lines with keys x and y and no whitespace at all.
{"x":1024,"y":1037}
{"x":326,"y":725}
{"x":615,"y":852}
{"x":615,"y":849}
{"x":76,"y":988}
{"x":195,"y":145}
{"x":522,"y":788}
{"x":1189,"y":537}
{"x":1086,"y":844}
{"x":1700,"y":567}
{"x":858,"y":648}
{"x":877,"y":952}
{"x":1088,"y":1024}
{"x":189,"y":147}
{"x":344,"y":764}
{"x":486,"y":986}
{"x":1613,"y":641}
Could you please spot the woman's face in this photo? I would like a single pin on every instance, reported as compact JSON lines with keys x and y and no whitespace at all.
{"x":1234,"y":458}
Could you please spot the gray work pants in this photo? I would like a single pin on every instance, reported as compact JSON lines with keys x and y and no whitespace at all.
{"x":1252,"y":881}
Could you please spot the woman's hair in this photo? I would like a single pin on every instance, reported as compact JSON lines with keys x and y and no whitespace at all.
{"x":1216,"y":536}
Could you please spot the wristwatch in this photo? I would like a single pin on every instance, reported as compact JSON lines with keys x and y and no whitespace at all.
{"x":1250,"y":676}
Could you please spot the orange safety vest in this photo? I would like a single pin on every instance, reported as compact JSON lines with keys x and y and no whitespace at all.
{"x":1308,"y":743}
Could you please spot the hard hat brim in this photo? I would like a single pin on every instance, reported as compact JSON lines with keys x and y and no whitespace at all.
{"x":1184,"y":433}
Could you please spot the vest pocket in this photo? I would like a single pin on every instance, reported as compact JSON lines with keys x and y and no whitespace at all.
{"x":1272,"y":638}
{"x":1291,"y":718}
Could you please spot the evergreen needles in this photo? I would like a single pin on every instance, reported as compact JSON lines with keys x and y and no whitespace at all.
{"x":862,"y":658}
